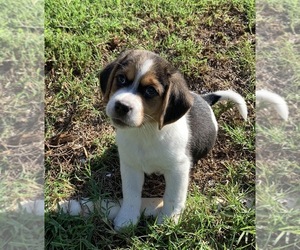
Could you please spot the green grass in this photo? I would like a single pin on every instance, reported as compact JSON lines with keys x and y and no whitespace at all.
{"x":277,"y":142}
{"x":21,"y":98}
{"x":21,"y":122}
{"x":209,"y":222}
{"x":211,"y":42}
{"x":240,"y":136}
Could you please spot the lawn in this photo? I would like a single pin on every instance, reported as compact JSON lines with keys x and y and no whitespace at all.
{"x":213,"y":45}
{"x":21,"y":121}
{"x":277,"y":142}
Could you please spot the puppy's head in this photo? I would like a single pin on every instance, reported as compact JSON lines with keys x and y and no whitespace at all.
{"x":141,"y":87}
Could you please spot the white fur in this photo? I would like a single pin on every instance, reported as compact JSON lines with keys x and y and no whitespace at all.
{"x":275,"y":100}
{"x":134,"y":101}
{"x":86,"y":206}
{"x":145,"y":67}
{"x":128,"y":97}
{"x":213,"y":118}
{"x":235,"y":97}
{"x":148,"y":149}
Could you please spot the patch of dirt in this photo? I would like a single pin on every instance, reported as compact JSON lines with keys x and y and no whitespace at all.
{"x":220,"y":37}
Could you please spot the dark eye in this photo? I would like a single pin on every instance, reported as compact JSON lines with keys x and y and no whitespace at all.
{"x":150,"y":92}
{"x":122,"y":80}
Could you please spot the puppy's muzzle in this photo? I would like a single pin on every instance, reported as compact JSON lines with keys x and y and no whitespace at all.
{"x":122,"y":109}
{"x":125,"y":109}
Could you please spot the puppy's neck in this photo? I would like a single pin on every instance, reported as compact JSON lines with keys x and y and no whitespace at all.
{"x":149,"y":128}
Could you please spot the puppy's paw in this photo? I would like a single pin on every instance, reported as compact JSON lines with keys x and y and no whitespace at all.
{"x":170,"y":211}
{"x":125,"y":219}
{"x":162,"y":217}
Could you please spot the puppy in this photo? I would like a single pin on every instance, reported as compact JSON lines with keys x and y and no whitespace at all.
{"x":160,"y":127}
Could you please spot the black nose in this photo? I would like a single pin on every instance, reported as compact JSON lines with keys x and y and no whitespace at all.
{"x":121,"y":108}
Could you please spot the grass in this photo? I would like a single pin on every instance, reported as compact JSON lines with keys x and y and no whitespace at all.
{"x":21,"y":88}
{"x":21,"y":122}
{"x":212,"y":43}
{"x":277,"y":142}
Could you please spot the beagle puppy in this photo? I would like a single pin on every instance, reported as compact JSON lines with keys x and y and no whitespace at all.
{"x":160,"y":127}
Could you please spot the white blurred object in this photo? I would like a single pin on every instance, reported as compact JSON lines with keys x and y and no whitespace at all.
{"x":150,"y":207}
{"x":35,"y":207}
{"x":275,"y":100}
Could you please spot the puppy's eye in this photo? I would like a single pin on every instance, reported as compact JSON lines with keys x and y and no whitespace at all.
{"x":150,"y":92}
{"x":122,"y":80}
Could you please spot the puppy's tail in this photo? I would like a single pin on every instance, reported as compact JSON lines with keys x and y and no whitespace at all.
{"x":275,"y":100}
{"x":230,"y":95}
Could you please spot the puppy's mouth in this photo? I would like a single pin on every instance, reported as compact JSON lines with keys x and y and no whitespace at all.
{"x":117,"y":122}
{"x":121,"y":123}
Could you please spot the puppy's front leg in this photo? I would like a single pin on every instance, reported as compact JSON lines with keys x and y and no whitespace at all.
{"x":132,"y":184}
{"x":175,"y":194}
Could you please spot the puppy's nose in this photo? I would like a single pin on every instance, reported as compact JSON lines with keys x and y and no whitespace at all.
{"x":121,"y":108}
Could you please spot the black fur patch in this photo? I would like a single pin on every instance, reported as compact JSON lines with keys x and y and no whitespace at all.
{"x":211,"y":99}
{"x":202,"y":129}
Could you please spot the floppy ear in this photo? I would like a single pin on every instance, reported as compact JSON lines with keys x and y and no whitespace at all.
{"x":106,"y":80}
{"x":177,"y":100}
{"x":106,"y":75}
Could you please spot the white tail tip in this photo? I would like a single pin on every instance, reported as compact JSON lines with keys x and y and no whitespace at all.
{"x":236,"y":98}
{"x":275,"y":100}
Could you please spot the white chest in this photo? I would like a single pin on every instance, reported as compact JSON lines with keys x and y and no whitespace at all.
{"x":153,"y":150}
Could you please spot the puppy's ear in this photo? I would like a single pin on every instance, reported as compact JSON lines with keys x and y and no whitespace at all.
{"x":106,"y":80}
{"x":107,"y":74}
{"x":177,"y":100}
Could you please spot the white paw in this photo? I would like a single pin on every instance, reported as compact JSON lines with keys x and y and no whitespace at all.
{"x":162,"y":217}
{"x":125,"y":219}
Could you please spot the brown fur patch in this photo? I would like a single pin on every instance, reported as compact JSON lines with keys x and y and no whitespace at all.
{"x":152,"y":106}
{"x":128,"y":70}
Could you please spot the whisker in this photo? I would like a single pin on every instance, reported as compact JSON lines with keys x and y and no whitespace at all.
{"x":149,"y":116}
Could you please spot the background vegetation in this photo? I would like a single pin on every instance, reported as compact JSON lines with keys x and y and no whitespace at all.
{"x":277,"y":142}
{"x":21,"y":121}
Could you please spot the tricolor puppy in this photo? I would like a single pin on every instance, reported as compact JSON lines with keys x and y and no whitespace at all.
{"x":160,"y":127}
